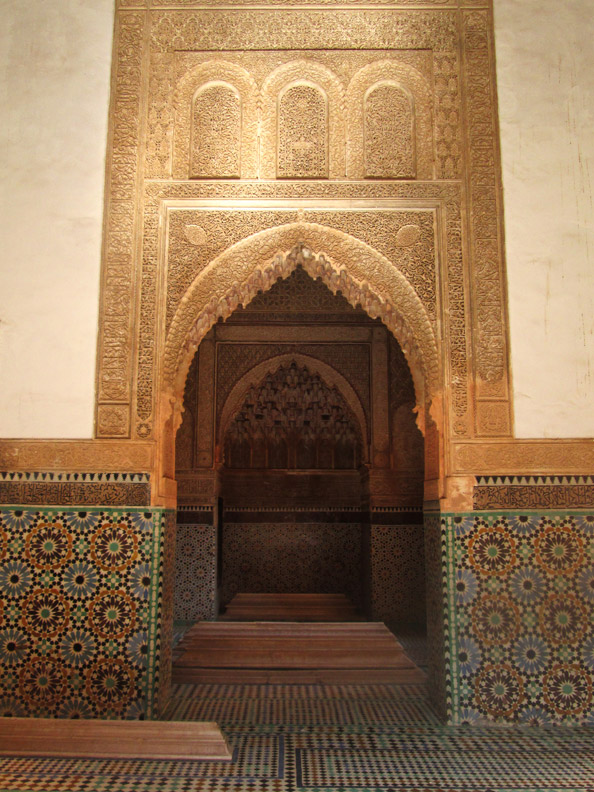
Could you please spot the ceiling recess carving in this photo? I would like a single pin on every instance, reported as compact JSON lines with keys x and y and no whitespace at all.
{"x":293,"y":419}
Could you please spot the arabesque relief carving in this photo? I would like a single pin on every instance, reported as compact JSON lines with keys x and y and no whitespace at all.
{"x":330,"y":378}
{"x":280,"y":29}
{"x":390,"y":134}
{"x":211,"y":298}
{"x":263,"y":3}
{"x":489,"y":338}
{"x":298,"y":295}
{"x":216,"y":228}
{"x":387,"y":229}
{"x":118,"y":277}
{"x":302,"y":132}
{"x":350,"y":358}
{"x":77,"y":455}
{"x":302,"y":126}
{"x":215,"y":142}
{"x":215,"y":134}
{"x":535,"y":456}
{"x":356,"y":67}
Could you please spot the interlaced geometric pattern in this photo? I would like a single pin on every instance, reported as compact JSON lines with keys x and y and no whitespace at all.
{"x":78,"y":611}
{"x":324,"y":738}
{"x":522,"y":592}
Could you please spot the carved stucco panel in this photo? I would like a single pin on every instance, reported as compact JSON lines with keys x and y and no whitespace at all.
{"x":489,"y":319}
{"x":405,"y":236}
{"x":493,"y":418}
{"x":535,"y":456}
{"x":159,"y":130}
{"x":302,"y":132}
{"x":216,"y":72}
{"x":389,"y":132}
{"x":192,"y":3}
{"x":315,"y":77}
{"x":215,"y":139}
{"x":118,"y":277}
{"x":149,"y":281}
{"x":113,"y":420}
{"x":77,"y":455}
{"x":344,"y":64}
{"x":343,"y":263}
{"x":389,"y":72}
{"x":191,"y":258}
{"x":450,"y":50}
{"x":189,"y":251}
{"x":447,"y":115}
{"x":263,"y":29}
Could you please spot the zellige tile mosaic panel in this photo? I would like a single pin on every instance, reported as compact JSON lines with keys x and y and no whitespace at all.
{"x":79,"y":611}
{"x":523,"y":596}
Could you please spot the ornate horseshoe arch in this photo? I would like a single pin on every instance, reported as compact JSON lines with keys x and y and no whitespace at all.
{"x":363,"y":275}
{"x":330,"y":376}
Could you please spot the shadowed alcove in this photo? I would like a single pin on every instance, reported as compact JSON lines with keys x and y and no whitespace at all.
{"x":299,"y":418}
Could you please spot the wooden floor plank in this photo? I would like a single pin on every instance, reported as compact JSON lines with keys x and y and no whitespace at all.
{"x":112,"y":739}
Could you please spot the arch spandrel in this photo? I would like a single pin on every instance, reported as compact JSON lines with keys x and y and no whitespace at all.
{"x":362,"y":274}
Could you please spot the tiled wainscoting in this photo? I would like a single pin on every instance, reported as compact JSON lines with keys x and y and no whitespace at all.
{"x":86,"y":595}
{"x":304,"y":551}
{"x":398,"y":567}
{"x":517,"y":615}
{"x":292,"y":551}
{"x":82,"y":607}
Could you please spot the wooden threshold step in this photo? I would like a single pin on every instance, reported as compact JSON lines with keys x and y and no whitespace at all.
{"x":287,"y":652}
{"x":288,"y":628}
{"x":290,"y":607}
{"x":299,"y":676}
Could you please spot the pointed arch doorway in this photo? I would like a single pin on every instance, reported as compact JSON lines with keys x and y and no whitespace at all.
{"x":299,"y":419}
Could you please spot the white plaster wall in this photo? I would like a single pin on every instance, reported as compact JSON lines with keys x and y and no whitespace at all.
{"x":54,"y":82}
{"x":545,"y":71}
{"x":54,"y":87}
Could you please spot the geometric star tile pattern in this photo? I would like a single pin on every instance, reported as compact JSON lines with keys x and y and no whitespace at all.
{"x":195,"y":580}
{"x":291,"y":557}
{"x":323,"y":738}
{"x":79,"y":611}
{"x":521,"y":599}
